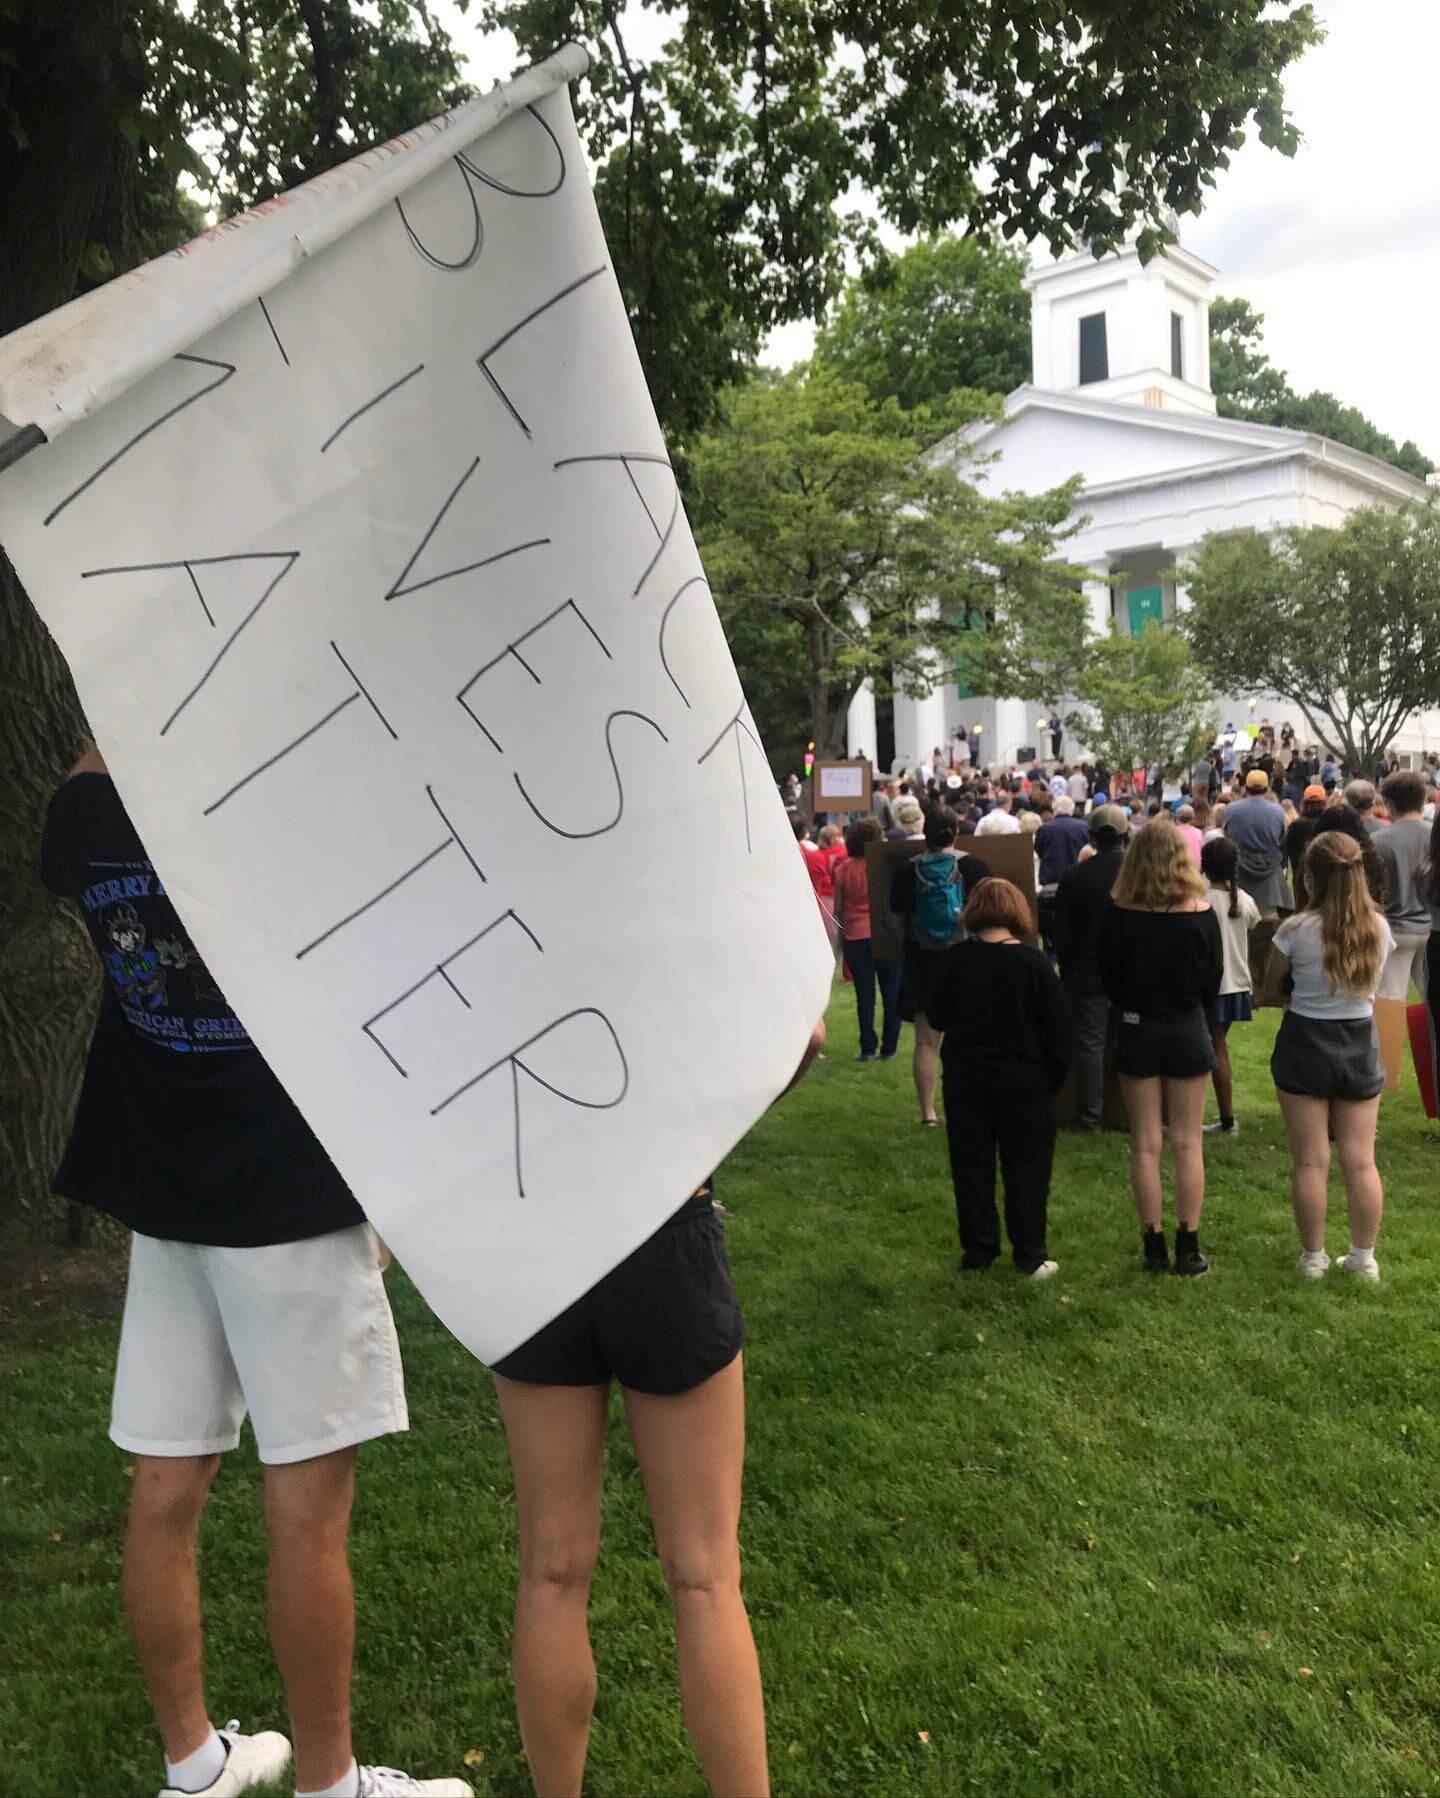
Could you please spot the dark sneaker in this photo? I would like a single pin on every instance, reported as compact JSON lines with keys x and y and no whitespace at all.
{"x":867,"y":1055}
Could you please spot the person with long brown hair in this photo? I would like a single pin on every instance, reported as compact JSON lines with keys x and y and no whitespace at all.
{"x":1161,"y":963}
{"x":1326,"y":1064}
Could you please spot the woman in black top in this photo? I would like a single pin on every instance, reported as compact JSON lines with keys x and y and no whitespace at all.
{"x":1161,"y":963}
{"x":1005,"y":1056}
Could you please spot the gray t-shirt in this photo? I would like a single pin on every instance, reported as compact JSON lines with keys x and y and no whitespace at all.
{"x":1404,"y":847}
{"x":1255,"y":824}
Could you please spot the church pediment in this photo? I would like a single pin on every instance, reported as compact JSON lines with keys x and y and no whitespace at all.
{"x":1046,"y":438}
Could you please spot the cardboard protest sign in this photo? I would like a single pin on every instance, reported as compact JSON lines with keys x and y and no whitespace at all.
{"x":357,"y":528}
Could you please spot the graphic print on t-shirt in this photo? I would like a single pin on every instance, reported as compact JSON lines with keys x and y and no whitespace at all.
{"x":164,"y":989}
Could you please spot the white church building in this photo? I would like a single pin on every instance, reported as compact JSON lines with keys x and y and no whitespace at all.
{"x":1121,"y":396}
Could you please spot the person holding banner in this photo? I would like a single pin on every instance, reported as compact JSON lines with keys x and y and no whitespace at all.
{"x":666,"y":1325}
{"x":255,"y":1286}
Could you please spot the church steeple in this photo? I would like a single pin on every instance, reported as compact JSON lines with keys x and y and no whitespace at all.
{"x":1117,"y":329}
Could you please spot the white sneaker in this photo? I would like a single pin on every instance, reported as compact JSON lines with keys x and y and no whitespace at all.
{"x":249,"y":1761}
{"x":1312,"y":1264}
{"x":1366,"y":1266}
{"x":1220,"y":1130}
{"x":390,"y":1782}
{"x":1046,"y":1270}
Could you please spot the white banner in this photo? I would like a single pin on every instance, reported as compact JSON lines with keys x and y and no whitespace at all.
{"x":383,"y":607}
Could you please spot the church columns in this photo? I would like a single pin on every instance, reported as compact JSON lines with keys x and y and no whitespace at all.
{"x":861,"y":733}
{"x":1181,"y":556}
{"x":919,"y":726}
{"x":1097,"y":593}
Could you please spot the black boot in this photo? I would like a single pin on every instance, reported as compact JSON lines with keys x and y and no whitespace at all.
{"x":1188,"y":1259}
{"x":1157,"y":1256}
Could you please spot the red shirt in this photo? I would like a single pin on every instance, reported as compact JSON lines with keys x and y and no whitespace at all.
{"x":819,"y":866}
{"x":852,"y":898}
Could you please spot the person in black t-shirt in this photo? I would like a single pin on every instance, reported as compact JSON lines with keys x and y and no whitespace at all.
{"x":1161,"y":963}
{"x":1081,"y":899}
{"x":1005,"y":1056}
{"x":255,"y":1285}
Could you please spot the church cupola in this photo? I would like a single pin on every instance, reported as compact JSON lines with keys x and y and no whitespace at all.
{"x":1115,"y":328}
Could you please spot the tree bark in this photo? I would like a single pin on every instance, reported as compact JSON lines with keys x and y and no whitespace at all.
{"x":72,"y":186}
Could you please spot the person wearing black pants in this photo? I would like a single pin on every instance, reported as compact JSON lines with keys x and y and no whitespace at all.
{"x":1005,"y":1055}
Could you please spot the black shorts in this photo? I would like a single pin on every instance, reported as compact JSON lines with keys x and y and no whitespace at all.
{"x":662,"y":1321}
{"x":916,"y":971}
{"x":1174,"y":1048}
{"x":1328,"y":1058}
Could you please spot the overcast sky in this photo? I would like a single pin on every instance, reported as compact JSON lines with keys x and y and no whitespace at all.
{"x":1339,"y":247}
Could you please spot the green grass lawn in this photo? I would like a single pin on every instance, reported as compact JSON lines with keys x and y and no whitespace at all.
{"x":1108,"y":1534}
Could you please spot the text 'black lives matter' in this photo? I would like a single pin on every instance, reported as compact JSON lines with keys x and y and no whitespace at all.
{"x":441,"y":971}
{"x":511,"y":652}
{"x":630,"y":460}
{"x":287,"y":558}
{"x":600,"y":830}
{"x":362,"y":692}
{"x":453,"y":841}
{"x":523,"y":193}
{"x":400,"y":588}
{"x":482,"y":361}
{"x":476,"y":228}
{"x":225,"y":371}
{"x":518,"y":1065}
{"x":740,"y":730}
{"x":697,"y":580}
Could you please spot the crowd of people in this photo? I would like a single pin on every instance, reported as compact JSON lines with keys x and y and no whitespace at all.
{"x":256,"y":1289}
{"x":1153,"y":907}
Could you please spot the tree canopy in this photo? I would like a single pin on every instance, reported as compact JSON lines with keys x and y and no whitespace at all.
{"x":949,"y":314}
{"x":835,"y":542}
{"x":1143,"y":700}
{"x":1341,"y":621}
{"x":729,"y":159}
{"x":1248,"y":385}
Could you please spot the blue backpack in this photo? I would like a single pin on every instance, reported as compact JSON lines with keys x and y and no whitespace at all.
{"x":939,"y":899}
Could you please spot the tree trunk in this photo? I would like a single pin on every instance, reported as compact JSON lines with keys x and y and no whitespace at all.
{"x":826,"y":725}
{"x":73,"y":186}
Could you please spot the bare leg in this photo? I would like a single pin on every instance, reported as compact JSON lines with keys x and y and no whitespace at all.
{"x":691,"y":1450}
{"x":927,"y":1066}
{"x":162,"y":1592}
{"x":1142,"y":1107}
{"x":1355,"y":1148}
{"x":311,"y":1606}
{"x":1185,"y":1100}
{"x":1224,"y":1087}
{"x":557,"y":1447}
{"x":1307,"y":1122}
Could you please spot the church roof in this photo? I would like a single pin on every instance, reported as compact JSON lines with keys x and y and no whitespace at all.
{"x":1231,"y":443}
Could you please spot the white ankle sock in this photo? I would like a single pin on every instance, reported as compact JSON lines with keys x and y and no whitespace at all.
{"x":346,"y":1786}
{"x":197,"y":1770}
{"x":1360,"y":1256}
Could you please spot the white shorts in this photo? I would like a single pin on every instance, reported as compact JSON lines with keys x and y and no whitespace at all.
{"x":299,"y":1335}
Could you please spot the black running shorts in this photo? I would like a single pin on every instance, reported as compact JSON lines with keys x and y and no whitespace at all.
{"x":661,"y":1322}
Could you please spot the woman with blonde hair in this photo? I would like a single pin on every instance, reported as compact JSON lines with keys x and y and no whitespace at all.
{"x":1161,"y":962}
{"x":1326,"y":1064}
